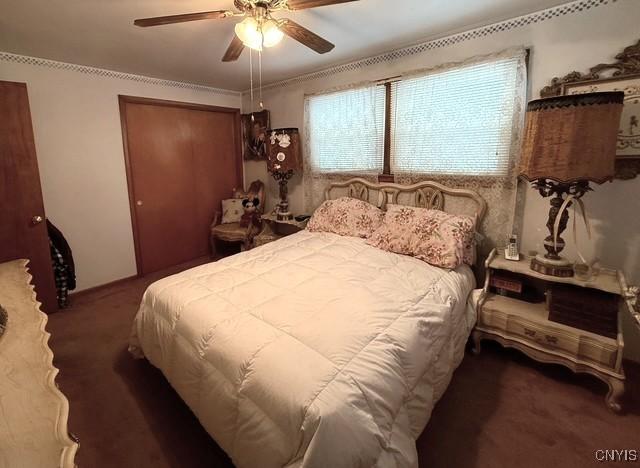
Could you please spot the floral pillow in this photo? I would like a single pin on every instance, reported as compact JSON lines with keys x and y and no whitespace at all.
{"x":438,"y":238}
{"x":346,"y":216}
{"x":232,"y":210}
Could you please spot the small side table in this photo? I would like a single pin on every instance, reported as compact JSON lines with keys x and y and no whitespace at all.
{"x":274,"y":229}
{"x":525,"y":326}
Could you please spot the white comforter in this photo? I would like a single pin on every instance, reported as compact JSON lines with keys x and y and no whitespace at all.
{"x":313,"y":351}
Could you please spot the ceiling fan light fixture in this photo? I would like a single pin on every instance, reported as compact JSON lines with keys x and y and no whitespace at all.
{"x":248,"y":31}
{"x":271,"y":33}
{"x":258,"y":29}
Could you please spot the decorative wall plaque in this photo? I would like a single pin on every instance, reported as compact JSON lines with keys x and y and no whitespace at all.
{"x":254,"y":135}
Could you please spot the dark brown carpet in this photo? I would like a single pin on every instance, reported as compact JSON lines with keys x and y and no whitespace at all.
{"x":501,"y":409}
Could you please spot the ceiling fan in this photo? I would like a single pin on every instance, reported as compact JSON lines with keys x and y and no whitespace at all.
{"x":259,"y":29}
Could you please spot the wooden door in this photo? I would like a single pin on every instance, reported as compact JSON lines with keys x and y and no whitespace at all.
{"x":182,"y":160}
{"x":23,"y":232}
{"x":215,"y":177}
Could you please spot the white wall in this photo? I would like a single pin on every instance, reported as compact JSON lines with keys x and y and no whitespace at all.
{"x":76,"y":122}
{"x":559,"y":45}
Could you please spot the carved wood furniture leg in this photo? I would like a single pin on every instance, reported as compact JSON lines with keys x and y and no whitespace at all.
{"x":616,"y":390}
{"x":477,"y":337}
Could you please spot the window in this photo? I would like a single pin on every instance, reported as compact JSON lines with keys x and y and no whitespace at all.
{"x":455,"y":122}
{"x":346,"y":130}
{"x":459,"y":121}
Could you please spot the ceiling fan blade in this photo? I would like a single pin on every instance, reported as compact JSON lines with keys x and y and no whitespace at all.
{"x":158,"y":20}
{"x":305,"y":37}
{"x":304,"y":4}
{"x":234,"y":50}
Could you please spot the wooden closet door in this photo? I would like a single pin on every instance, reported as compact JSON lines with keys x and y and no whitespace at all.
{"x":215,"y":144}
{"x":23,"y":232}
{"x":182,"y":161}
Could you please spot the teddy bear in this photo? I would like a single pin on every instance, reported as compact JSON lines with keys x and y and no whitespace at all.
{"x":251,"y":214}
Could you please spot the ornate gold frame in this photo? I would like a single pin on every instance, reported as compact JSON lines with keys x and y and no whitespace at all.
{"x":627,"y":66}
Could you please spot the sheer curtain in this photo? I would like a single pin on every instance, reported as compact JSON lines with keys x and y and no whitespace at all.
{"x":460,"y":124}
{"x":455,"y":121}
{"x":344,"y":137}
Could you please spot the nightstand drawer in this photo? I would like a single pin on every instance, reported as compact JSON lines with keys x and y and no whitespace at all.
{"x":539,"y":335}
{"x":532,"y":332}
{"x":557,"y":338}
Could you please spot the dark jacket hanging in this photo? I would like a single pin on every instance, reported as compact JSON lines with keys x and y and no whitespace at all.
{"x":63,"y":266}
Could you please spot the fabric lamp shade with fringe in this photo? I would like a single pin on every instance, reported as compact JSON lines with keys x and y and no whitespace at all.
{"x":284,"y":150}
{"x":283,"y":160}
{"x":571,"y":138}
{"x":569,"y":141}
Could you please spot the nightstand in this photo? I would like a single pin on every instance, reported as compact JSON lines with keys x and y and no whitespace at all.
{"x":274,"y":229}
{"x":521,"y":321}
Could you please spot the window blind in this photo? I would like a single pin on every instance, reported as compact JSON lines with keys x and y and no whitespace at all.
{"x":346,"y":130}
{"x":459,"y":121}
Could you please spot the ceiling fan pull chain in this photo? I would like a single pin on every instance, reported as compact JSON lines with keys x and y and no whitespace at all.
{"x":260,"y":66}
{"x":251,"y":81}
{"x":260,"y":79}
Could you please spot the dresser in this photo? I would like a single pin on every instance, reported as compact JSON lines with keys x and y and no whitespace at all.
{"x":33,"y":411}
{"x":525,"y":324}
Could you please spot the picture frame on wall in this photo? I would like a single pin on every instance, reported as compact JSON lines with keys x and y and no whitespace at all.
{"x":628,"y":145}
{"x":254,"y":135}
{"x":622,"y":75}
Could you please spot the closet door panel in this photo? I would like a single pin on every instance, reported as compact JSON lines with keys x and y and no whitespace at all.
{"x":161,"y":163}
{"x":182,"y":160}
{"x":215,"y":147}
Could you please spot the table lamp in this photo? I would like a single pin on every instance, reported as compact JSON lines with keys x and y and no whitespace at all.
{"x":569,"y":141}
{"x":283,"y":160}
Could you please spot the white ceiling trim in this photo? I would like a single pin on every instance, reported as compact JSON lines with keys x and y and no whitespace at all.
{"x":577,"y":6}
{"x":42,"y":62}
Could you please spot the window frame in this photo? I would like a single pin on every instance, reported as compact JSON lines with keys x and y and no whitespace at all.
{"x":384,"y":120}
{"x":387,"y":175}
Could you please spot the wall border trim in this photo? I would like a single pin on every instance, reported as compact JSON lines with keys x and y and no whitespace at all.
{"x":102,"y":72}
{"x":577,"y":6}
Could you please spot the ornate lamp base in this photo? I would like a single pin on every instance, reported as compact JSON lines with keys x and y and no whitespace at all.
{"x":282,"y":212}
{"x":552,"y":263}
{"x":547,"y":266}
{"x":284,"y":215}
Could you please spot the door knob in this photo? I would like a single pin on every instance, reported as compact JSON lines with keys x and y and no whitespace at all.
{"x":139,"y":203}
{"x":37,"y":219}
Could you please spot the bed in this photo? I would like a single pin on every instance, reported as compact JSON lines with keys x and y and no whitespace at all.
{"x":316,"y":350}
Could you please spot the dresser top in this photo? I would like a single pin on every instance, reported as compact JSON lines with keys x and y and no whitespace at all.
{"x":33,"y":426}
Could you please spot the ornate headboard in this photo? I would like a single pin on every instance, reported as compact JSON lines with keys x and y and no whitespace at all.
{"x":423,"y":194}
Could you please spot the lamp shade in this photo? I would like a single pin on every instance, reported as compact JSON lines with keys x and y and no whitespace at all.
{"x":284,"y":150}
{"x":571,"y":138}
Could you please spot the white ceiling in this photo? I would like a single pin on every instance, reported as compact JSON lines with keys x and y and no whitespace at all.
{"x":100,"y":33}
